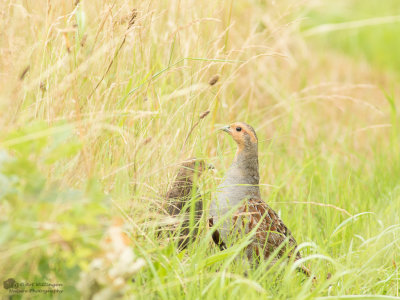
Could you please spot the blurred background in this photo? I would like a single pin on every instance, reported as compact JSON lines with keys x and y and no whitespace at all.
{"x":100,"y":101}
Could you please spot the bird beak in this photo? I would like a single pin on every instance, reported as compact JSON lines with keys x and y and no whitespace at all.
{"x":226,"y":129}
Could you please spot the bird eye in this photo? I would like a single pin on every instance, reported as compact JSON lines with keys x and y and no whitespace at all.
{"x":238,"y":128}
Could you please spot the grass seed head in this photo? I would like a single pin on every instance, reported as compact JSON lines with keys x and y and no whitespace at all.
{"x":146,"y":141}
{"x":213,"y":80}
{"x":133,"y":18}
{"x":83,"y":40}
{"x":24,"y":72}
{"x":204,"y":114}
{"x":42,"y":86}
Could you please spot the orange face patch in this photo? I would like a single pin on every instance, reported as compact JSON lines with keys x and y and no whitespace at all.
{"x":238,"y":131}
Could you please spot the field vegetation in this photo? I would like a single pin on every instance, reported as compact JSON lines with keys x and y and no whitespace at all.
{"x":101,"y":100}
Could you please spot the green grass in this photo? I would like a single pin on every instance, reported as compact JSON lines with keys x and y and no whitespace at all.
{"x":375,"y":40}
{"x":92,"y":135}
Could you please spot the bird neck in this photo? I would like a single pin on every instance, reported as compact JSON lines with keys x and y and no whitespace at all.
{"x":241,"y":180}
{"x":247,"y":162}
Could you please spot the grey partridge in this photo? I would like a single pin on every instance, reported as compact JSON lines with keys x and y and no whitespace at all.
{"x":179,"y":196}
{"x":240,"y":187}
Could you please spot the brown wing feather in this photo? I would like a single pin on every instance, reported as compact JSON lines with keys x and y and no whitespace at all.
{"x":270,"y":234}
{"x":271,"y":231}
{"x":179,"y":196}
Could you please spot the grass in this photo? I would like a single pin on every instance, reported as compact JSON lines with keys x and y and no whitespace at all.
{"x":96,"y":106}
{"x":365,"y":30}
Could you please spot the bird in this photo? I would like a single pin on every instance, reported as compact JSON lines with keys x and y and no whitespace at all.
{"x":180,"y":195}
{"x":240,"y":187}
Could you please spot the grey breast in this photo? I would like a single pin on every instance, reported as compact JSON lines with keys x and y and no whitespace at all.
{"x":234,"y":188}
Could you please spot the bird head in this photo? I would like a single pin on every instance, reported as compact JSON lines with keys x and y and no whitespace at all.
{"x":243,"y":134}
{"x":193,"y":165}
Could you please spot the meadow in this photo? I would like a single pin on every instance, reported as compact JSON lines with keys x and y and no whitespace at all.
{"x":100,"y":101}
